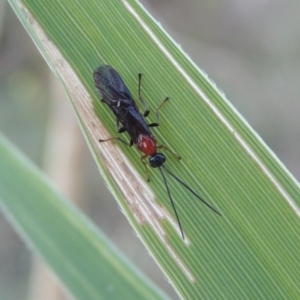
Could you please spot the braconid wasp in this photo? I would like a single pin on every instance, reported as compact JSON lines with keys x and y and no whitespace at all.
{"x":117,"y":96}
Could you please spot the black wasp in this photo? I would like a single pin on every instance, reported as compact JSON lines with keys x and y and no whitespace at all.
{"x":117,"y":96}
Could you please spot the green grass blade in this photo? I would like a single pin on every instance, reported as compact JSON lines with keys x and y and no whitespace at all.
{"x":88,"y":265}
{"x":252,"y":251}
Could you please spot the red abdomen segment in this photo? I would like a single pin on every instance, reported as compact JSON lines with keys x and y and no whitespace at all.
{"x":147,"y":144}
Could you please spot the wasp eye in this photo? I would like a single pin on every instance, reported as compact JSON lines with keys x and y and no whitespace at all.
{"x":157,"y":160}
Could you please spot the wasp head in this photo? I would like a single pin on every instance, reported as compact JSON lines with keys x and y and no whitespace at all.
{"x":157,"y":160}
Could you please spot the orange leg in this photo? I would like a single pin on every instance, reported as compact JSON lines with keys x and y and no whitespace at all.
{"x":168,"y":149}
{"x":145,"y":164}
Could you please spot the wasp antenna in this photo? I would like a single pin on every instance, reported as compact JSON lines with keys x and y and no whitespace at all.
{"x":194,"y":193}
{"x":172,"y":202}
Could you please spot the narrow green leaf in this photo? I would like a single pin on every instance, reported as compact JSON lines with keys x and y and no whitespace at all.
{"x":88,"y":265}
{"x":252,"y":251}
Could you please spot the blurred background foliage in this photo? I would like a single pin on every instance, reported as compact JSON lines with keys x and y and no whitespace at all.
{"x":250,"y":49}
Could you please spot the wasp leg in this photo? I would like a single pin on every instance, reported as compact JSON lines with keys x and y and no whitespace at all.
{"x":117,"y":138}
{"x":147,"y":109}
{"x":121,"y":130}
{"x":145,"y":164}
{"x":118,"y":128}
{"x":168,"y":149}
{"x":157,"y":114}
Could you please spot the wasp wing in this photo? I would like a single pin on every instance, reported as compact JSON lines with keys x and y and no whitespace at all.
{"x":110,"y":85}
